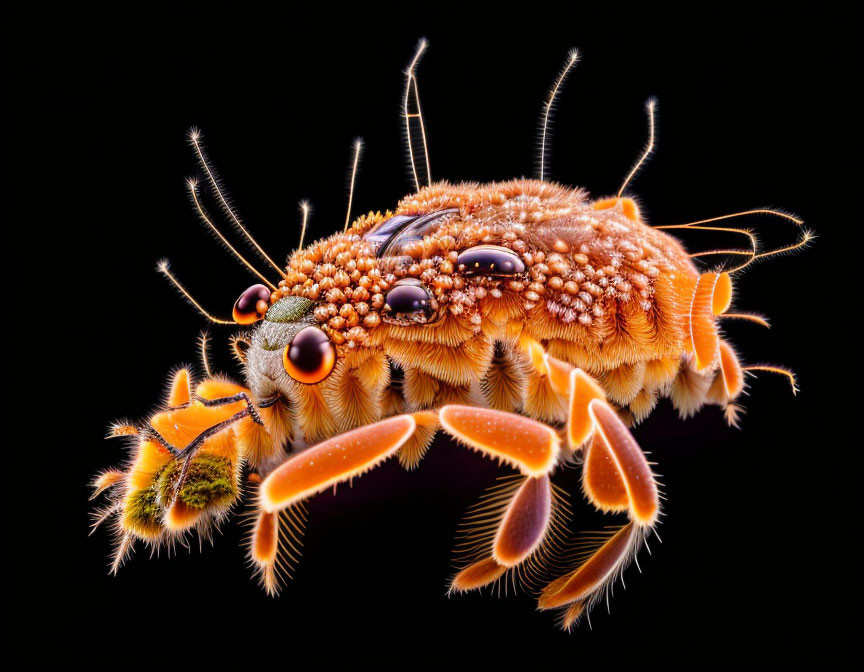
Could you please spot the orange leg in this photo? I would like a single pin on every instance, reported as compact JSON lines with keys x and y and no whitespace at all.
{"x":334,"y":461}
{"x":617,"y":478}
{"x":275,"y":541}
{"x":186,"y":467}
{"x":521,"y":515}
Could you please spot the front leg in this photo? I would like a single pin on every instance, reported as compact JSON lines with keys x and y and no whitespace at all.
{"x":334,"y":461}
{"x":276,"y":535}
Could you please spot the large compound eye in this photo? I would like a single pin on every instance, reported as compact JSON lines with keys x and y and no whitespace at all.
{"x":310,"y":356}
{"x":252,"y":305}
{"x":489,"y":260}
{"x":409,"y":302}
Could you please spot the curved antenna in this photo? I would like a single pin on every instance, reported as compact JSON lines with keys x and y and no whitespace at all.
{"x":304,"y":207}
{"x":803,"y":240}
{"x":572,"y":60}
{"x":358,"y":148}
{"x":743,"y":213}
{"x":650,"y":105}
{"x":775,"y":369}
{"x":750,"y":317}
{"x":415,"y":112}
{"x":162,"y":267}
{"x":193,"y":191}
{"x":195,"y":139}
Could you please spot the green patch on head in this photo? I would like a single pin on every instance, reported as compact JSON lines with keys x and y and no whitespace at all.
{"x":208,"y":481}
{"x":289,"y":309}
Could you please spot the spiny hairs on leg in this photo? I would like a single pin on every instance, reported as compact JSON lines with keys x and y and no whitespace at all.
{"x":601,"y":559}
{"x":478,"y":533}
{"x":275,"y":545}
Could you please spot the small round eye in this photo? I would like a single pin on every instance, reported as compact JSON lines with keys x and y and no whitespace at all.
{"x":252,"y":305}
{"x":409,"y":301}
{"x":489,"y":260}
{"x":310,"y":356}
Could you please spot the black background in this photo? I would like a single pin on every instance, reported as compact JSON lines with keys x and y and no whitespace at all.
{"x":754,"y":110}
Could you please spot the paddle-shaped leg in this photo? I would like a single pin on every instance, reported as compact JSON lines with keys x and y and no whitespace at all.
{"x":334,"y":461}
{"x":519,"y":515}
{"x":616,"y":478}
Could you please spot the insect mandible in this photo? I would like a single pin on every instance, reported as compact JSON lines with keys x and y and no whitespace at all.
{"x":525,"y":319}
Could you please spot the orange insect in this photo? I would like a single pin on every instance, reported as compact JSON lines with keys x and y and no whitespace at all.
{"x":530,"y":322}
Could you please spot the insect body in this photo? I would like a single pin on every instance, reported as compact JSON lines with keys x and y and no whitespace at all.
{"x":526,"y":320}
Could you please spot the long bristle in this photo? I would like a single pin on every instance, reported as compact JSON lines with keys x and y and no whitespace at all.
{"x":193,"y":192}
{"x":162,"y":267}
{"x":412,"y":94}
{"x":548,"y":107}
{"x":649,"y":147}
{"x":195,"y":139}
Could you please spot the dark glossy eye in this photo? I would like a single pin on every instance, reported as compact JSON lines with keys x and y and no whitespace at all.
{"x":389,"y":228}
{"x":409,"y":301}
{"x":310,"y":356}
{"x":400,"y":229}
{"x":252,"y":305}
{"x":489,"y":260}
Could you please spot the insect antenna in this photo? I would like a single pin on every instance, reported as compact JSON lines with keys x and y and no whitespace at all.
{"x":411,"y":110}
{"x":775,"y":369}
{"x":545,"y":127}
{"x":204,"y":352}
{"x":650,"y":106}
{"x":163,"y":269}
{"x":803,"y":240}
{"x":358,"y":148}
{"x":195,"y":139}
{"x":750,"y":317}
{"x":305,"y":208}
{"x":193,"y":191}
{"x":743,"y":213}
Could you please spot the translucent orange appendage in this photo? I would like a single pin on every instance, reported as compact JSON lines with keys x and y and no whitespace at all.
{"x":557,"y":370}
{"x":703,"y":340}
{"x":604,"y":485}
{"x":179,"y":427}
{"x":525,"y":522}
{"x":181,"y":517}
{"x":559,"y":374}
{"x":629,"y":462}
{"x":583,"y":389}
{"x":122,"y":430}
{"x":479,"y":574}
{"x":536,"y":353}
{"x":104,"y":481}
{"x":265,"y":538}
{"x":213,"y":388}
{"x":334,"y":461}
{"x":722,"y":294}
{"x":526,"y":444}
{"x":180,"y":392}
{"x":733,"y":375}
{"x":572,"y":615}
{"x":628,"y":206}
{"x":591,"y":574}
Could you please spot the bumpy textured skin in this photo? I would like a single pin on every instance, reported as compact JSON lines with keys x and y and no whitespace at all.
{"x":602,"y":291}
